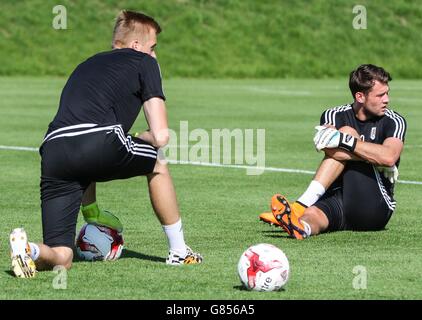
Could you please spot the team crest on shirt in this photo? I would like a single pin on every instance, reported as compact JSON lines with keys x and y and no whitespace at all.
{"x":373,"y":133}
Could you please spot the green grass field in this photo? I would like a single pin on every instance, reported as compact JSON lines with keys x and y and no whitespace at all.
{"x":220,"y":38}
{"x":219,"y":204}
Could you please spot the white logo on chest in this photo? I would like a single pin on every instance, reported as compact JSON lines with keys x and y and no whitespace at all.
{"x":373,"y":133}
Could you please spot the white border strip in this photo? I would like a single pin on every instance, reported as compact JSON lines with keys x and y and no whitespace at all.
{"x":208,"y":164}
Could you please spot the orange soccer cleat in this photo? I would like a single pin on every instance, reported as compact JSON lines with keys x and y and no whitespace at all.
{"x":269,"y":218}
{"x":288,"y":215}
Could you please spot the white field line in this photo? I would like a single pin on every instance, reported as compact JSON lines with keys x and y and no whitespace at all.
{"x":18,"y":148}
{"x":208,"y":164}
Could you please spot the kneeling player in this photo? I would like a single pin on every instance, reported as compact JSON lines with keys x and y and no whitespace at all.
{"x":88,"y":142}
{"x":353,"y":186}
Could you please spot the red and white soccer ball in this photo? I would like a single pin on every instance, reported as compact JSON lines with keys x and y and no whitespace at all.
{"x":263,"y":267}
{"x":99,"y":243}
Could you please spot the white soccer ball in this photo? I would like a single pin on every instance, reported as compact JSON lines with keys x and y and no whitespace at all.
{"x":263,"y":267}
{"x":99,"y":243}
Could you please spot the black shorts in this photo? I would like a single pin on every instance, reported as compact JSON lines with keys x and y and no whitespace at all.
{"x":361,"y":199}
{"x":72,"y":158}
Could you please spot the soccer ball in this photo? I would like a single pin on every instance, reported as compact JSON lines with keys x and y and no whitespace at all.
{"x":263,"y":267}
{"x":99,"y":243}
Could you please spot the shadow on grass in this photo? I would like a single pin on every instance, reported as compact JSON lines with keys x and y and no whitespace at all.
{"x":275,"y":234}
{"x":281,"y":234}
{"x":126,"y":254}
{"x":137,"y":255}
{"x":240,"y":288}
{"x":243,"y":288}
{"x":9,"y":273}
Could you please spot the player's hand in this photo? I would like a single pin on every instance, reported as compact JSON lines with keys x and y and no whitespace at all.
{"x":391,"y":173}
{"x":327,"y":137}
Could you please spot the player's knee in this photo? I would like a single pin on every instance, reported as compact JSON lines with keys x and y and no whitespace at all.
{"x":67,"y":265}
{"x":350,"y":130}
{"x":64,"y":256}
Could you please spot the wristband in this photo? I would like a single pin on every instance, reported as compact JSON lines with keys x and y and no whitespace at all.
{"x":347,"y":142}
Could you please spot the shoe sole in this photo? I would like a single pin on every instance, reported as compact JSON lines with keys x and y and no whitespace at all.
{"x":188,"y":261}
{"x":286,"y":219}
{"x":272,"y":223}
{"x":21,"y":268}
{"x":192,"y":259}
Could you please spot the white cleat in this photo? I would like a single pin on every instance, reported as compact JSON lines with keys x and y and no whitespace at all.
{"x":22,"y":264}
{"x":175,"y":259}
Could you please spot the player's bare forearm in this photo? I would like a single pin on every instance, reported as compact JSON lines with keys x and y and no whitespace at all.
{"x":341,"y":155}
{"x":377,"y":154}
{"x":385,"y":154}
{"x":156,"y":116}
{"x":146,"y":136}
{"x":345,"y":145}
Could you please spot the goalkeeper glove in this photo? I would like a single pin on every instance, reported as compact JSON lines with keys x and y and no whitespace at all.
{"x":326,"y":137}
{"x":390,"y":173}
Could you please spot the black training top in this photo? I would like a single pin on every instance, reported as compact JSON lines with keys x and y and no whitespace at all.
{"x":374,"y":130}
{"x":109,"y":88}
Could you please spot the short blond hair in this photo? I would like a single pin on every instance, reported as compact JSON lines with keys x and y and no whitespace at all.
{"x":132,"y":25}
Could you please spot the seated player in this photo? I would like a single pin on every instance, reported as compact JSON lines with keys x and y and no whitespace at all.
{"x":88,"y":142}
{"x":354,"y":184}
